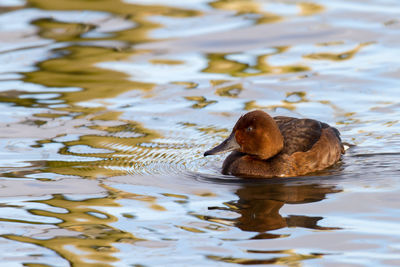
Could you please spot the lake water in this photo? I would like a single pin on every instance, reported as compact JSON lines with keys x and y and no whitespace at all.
{"x":108,"y":106}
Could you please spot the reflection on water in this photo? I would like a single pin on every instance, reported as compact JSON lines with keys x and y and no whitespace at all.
{"x":107,"y":108}
{"x":259,"y":205}
{"x":241,"y":65}
{"x":284,"y":260}
{"x":93,"y":239}
{"x":346,"y":55}
{"x":139,"y":14}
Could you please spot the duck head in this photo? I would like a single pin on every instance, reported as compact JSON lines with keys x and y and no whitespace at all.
{"x":255,"y":133}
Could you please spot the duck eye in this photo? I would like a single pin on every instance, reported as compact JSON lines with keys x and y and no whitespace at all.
{"x":249,"y":129}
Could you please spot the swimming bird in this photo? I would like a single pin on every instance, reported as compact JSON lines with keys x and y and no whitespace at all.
{"x":265,"y":146}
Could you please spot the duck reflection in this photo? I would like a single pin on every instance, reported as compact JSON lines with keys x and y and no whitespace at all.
{"x":259,"y":205}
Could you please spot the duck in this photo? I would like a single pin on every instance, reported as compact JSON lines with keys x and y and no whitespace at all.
{"x":262,"y":146}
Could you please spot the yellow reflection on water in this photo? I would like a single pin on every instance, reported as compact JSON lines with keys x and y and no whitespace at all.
{"x":13,"y":96}
{"x":187,"y":85}
{"x":291,"y":101}
{"x":166,"y":62}
{"x":245,"y":7}
{"x":77,"y":68}
{"x":225,"y":64}
{"x":309,"y":9}
{"x":95,"y":238}
{"x":138,"y":14}
{"x":250,"y":105}
{"x":293,"y":259}
{"x":230,"y":90}
{"x":218,"y":63}
{"x":201,"y":101}
{"x":125,"y":144}
{"x":261,"y":12}
{"x":124,"y":151}
{"x":346,"y":55}
{"x":61,"y":31}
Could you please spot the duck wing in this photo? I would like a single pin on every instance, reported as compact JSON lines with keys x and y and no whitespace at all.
{"x":301,"y":134}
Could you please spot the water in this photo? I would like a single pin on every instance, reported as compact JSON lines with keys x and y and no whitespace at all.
{"x":108,"y":106}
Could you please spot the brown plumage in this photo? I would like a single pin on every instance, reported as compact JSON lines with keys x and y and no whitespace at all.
{"x":266,"y":147}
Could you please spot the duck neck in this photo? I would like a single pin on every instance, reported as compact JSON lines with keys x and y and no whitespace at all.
{"x":273,"y":144}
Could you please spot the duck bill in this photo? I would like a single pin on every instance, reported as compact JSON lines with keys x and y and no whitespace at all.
{"x":228,"y":145}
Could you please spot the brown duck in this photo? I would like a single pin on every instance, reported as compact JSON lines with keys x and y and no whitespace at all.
{"x":265,"y":147}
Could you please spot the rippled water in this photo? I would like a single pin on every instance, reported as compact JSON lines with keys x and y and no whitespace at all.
{"x":107,"y":107}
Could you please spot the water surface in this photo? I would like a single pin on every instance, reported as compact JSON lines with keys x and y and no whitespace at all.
{"x":108,"y":106}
